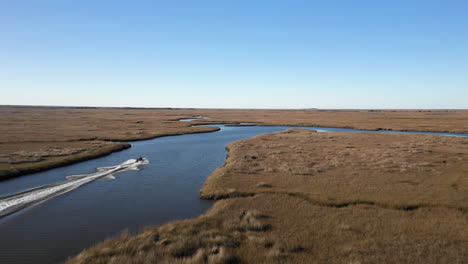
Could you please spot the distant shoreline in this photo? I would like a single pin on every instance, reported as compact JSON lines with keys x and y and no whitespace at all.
{"x":28,"y":132}
{"x":253,"y":109}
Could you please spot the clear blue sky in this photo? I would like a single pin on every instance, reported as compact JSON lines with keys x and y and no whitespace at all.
{"x":235,"y":53}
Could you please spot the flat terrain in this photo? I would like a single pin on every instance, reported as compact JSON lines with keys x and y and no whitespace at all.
{"x":300,"y":196}
{"x":390,"y":170}
{"x":40,"y":138}
{"x":34,"y":139}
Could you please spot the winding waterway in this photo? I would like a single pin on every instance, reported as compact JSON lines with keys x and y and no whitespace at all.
{"x":166,"y":189}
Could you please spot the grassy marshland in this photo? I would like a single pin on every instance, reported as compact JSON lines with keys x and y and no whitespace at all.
{"x":40,"y":138}
{"x":34,"y":139}
{"x":398,"y":171}
{"x":38,"y":156}
{"x":304,"y":197}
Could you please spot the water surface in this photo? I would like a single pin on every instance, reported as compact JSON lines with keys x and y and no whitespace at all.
{"x":164,"y":190}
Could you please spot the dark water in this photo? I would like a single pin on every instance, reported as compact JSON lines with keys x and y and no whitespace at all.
{"x":165,"y":190}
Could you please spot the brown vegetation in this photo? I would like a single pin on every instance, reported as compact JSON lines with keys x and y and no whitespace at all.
{"x":35,"y":129}
{"x":455,"y":121}
{"x":390,"y":170}
{"x":277,"y":228}
{"x":304,"y":197}
{"x":34,"y":139}
{"x":37,"y":156}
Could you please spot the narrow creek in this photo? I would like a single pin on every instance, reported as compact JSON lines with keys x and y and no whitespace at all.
{"x":164,"y":190}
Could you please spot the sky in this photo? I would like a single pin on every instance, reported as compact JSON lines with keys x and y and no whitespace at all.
{"x":235,"y":53}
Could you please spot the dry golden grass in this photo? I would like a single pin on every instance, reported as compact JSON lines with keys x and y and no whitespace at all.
{"x":308,"y":197}
{"x":277,"y":228}
{"x":37,"y":156}
{"x":31,"y":139}
{"x":31,"y":124}
{"x":73,"y":124}
{"x":319,"y":198}
{"x":21,"y":127}
{"x":417,"y":120}
{"x":390,"y":170}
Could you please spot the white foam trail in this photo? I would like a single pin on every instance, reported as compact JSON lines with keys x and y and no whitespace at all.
{"x":18,"y":201}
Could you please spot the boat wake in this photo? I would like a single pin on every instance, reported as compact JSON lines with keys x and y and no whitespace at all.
{"x":12,"y":203}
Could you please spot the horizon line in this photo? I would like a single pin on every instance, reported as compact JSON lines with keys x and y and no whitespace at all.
{"x":229,"y":108}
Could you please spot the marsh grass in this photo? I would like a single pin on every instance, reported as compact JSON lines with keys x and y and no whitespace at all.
{"x":298,"y":232}
{"x":204,"y":240}
{"x":24,"y":128}
{"x":41,"y":156}
{"x":397,"y":171}
{"x":290,"y":197}
{"x":321,"y":198}
{"x":39,"y":138}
